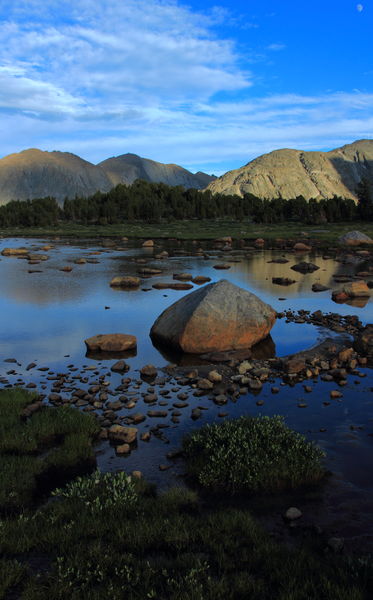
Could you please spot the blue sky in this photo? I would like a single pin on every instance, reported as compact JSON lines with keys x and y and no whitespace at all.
{"x":207,"y":85}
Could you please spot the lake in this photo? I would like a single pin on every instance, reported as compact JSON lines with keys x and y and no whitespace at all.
{"x":46,"y":316}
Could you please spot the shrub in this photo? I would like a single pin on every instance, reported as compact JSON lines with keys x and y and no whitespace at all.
{"x":250,"y":454}
{"x":101,"y":491}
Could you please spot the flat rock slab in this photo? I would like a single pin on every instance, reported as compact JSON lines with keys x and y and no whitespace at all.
{"x":220,"y":316}
{"x":111,"y":342}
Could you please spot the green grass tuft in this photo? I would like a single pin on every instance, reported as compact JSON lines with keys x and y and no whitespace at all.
{"x":251,"y":454}
{"x":35,"y":453}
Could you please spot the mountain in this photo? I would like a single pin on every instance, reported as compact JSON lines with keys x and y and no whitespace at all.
{"x":128,"y":167}
{"x":34,"y":173}
{"x":290,"y":173}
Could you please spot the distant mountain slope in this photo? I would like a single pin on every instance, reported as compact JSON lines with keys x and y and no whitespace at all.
{"x":129,"y":167}
{"x":290,"y":173}
{"x":36,"y":174}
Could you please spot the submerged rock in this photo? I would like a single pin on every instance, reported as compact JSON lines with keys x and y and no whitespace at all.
{"x":220,"y":316}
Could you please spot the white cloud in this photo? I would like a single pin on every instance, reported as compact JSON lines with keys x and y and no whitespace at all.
{"x":148,"y":76}
{"x":359,"y":7}
{"x":276,"y":47}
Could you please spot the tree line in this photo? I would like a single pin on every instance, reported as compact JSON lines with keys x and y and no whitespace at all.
{"x":157,"y":202}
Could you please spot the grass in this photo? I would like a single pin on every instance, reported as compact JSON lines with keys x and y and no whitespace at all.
{"x":112,"y":536}
{"x":196,"y":229}
{"x":52,"y":445}
{"x":251,"y":454}
{"x":167,"y":546}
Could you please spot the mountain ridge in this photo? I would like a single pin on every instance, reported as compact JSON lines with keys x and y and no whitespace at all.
{"x":288,"y":173}
{"x":34,"y":173}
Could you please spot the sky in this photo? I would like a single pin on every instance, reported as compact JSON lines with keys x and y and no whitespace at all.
{"x":208,"y":85}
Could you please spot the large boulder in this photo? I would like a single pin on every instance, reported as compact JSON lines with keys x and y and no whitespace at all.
{"x":354,"y":238}
{"x":220,"y":316}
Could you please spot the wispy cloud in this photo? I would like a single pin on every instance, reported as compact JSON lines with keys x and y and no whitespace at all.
{"x":153,"y":77}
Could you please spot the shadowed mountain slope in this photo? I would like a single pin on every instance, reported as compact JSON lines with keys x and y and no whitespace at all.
{"x":129,"y":167}
{"x":34,"y":173}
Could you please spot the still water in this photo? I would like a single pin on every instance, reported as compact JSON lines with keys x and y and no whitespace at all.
{"x":45,"y":317}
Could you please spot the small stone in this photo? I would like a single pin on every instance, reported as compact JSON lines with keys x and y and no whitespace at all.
{"x":215,"y":377}
{"x":149,"y":371}
{"x":205,"y":384}
{"x":119,"y":367}
{"x":136,"y":474}
{"x":123,"y":449}
{"x":292,"y":514}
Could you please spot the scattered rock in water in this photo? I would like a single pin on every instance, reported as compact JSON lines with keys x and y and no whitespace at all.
{"x":158,"y":414}
{"x":205,"y":384}
{"x":149,"y":371}
{"x":214,"y":377}
{"x":319,"y":287}
{"x":125,"y":282}
{"x":200,"y":279}
{"x":111,"y":342}
{"x":80,"y":261}
{"x":353,"y":289}
{"x":149,"y":271}
{"x":66,"y":269}
{"x":122,"y":434}
{"x":282,"y":280}
{"x":280,"y":261}
{"x":15,"y":252}
{"x":148,"y":244}
{"x":218,"y":317}
{"x":301,"y":247}
{"x":364,"y":342}
{"x":222,"y":266}
{"x":35,"y":258}
{"x":355,"y":238}
{"x":119,"y":367}
{"x":304,"y":267}
{"x":183,"y":276}
{"x":123,"y":449}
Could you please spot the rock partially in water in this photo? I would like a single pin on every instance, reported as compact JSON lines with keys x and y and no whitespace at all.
{"x":354,"y":238}
{"x":111,"y":342}
{"x":353,"y":289}
{"x":319,"y":287}
{"x":218,"y":317}
{"x":304,"y":267}
{"x":125,"y":282}
{"x":15,"y":252}
{"x":282,"y":280}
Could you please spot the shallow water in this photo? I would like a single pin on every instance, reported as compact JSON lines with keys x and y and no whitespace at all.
{"x":45,"y":317}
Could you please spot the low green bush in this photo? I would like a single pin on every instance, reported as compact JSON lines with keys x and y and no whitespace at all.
{"x":100,"y":491}
{"x":251,"y":454}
